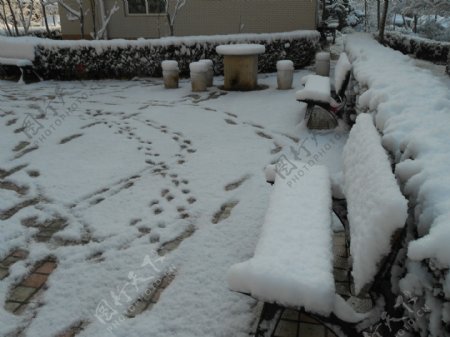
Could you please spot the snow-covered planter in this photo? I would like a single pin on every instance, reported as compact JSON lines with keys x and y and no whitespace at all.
{"x":209,"y":72}
{"x":430,"y":50}
{"x":129,"y":58}
{"x":170,"y":74}
{"x":285,"y":74}
{"x":414,"y":122}
{"x":198,"y":76}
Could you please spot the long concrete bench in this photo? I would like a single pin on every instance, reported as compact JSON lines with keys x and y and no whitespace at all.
{"x":293,"y":261}
{"x":377,"y":210}
{"x":25,"y":66}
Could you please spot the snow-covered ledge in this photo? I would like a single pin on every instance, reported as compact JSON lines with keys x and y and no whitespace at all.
{"x":411,"y":109}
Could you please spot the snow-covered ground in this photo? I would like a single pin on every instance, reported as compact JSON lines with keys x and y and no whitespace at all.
{"x":131,"y":168}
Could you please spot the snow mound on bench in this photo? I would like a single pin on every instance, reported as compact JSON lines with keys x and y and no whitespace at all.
{"x":293,"y":260}
{"x":376,"y":207}
{"x":317,"y":88}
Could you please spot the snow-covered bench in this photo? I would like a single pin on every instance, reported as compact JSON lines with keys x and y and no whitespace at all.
{"x":25,"y":66}
{"x":377,"y":210}
{"x":293,"y":262}
{"x":317,"y":91}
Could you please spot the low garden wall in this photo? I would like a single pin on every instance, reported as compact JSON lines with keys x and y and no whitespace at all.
{"x":425,"y":49}
{"x":67,"y":60}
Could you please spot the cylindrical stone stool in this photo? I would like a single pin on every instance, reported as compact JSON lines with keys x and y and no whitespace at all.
{"x":170,"y":74}
{"x":323,"y":64}
{"x":285,"y":74}
{"x":198,"y":75}
{"x":209,"y":73}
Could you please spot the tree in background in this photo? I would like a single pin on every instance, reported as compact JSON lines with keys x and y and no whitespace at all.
{"x":383,"y":20}
{"x":171,"y":9}
{"x":80,"y":13}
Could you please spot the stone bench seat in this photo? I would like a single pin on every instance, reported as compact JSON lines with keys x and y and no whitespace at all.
{"x":293,"y":262}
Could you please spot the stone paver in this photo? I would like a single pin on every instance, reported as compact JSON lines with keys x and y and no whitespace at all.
{"x":46,"y":268}
{"x":21,"y":294}
{"x":35,"y":280}
{"x":33,"y":284}
{"x":9,"y":260}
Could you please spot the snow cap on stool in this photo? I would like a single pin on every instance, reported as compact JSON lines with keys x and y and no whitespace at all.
{"x":198,"y":67}
{"x":285,"y":65}
{"x":169,"y":65}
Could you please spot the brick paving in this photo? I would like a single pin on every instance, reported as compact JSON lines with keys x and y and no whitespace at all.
{"x":9,"y":260}
{"x":22,"y":294}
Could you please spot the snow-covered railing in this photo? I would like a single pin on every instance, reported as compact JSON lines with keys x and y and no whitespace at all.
{"x":56,"y":59}
{"x":421,"y":48}
{"x":376,"y":207}
{"x":412,"y":110}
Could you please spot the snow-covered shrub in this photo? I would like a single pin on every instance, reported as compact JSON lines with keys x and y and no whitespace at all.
{"x":421,"y":48}
{"x":126,"y":59}
{"x":417,"y":284}
{"x":434,"y":30}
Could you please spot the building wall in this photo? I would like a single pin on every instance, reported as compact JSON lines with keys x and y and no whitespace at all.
{"x":207,"y":17}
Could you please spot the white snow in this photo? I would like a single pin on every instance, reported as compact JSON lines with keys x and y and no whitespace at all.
{"x":293,"y":259}
{"x":17,"y":47}
{"x":413,"y":112}
{"x":376,"y":207}
{"x":15,"y":62}
{"x":323,"y":56}
{"x":285,"y":65}
{"x":341,"y":71}
{"x":198,"y":67}
{"x":241,"y":49}
{"x":208,"y":62}
{"x":106,"y":183}
{"x":169,"y":65}
{"x":317,"y":88}
{"x":23,"y":47}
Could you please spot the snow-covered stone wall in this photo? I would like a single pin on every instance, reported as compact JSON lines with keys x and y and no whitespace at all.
{"x":411,"y":109}
{"x":118,"y":58}
{"x":430,"y":50}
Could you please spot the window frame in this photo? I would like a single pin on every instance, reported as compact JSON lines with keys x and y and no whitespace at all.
{"x":127,"y":12}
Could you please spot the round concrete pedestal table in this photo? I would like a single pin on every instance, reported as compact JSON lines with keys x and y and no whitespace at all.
{"x":240,"y":65}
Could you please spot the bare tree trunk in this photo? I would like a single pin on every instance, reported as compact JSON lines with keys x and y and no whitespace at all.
{"x":383,"y":20}
{"x":81,"y":19}
{"x":13,"y":15}
{"x":170,"y":24}
{"x":324,"y":11}
{"x":415,"y":23}
{"x":4,"y":18}
{"x":378,"y":13}
{"x":44,"y":13}
{"x":94,"y":16}
{"x":366,"y":21}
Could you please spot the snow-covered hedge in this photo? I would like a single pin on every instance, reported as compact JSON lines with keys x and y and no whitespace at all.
{"x":421,"y":48}
{"x":411,"y":108}
{"x":126,"y":59}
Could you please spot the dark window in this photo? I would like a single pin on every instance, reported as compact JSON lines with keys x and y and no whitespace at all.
{"x":137,"y":7}
{"x":156,"y":6}
{"x":146,"y":6}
